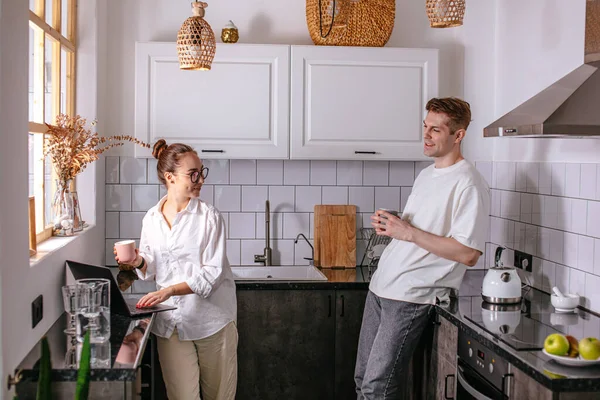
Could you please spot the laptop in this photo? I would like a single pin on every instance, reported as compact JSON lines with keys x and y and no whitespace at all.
{"x":118,"y":303}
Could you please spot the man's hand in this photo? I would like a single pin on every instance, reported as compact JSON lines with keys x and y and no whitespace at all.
{"x":154,"y":298}
{"x":387,"y":224}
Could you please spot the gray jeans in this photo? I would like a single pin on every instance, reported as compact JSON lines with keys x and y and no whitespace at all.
{"x":389,"y":334}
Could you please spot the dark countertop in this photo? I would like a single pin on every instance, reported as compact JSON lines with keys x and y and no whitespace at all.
{"x":120,"y":363}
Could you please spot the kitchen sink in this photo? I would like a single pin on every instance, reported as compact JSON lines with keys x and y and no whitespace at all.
{"x":277,"y":273}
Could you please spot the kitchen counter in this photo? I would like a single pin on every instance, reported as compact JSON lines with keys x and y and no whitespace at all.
{"x":337,"y":279}
{"x":119,"y":363}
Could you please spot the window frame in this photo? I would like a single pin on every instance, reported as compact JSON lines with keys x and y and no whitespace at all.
{"x":46,"y":34}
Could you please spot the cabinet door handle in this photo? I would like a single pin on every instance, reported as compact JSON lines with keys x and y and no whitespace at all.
{"x":504,"y":380}
{"x":365,"y":152}
{"x":343,"y":305}
{"x":329,"y":298}
{"x":213,"y":151}
{"x":446,"y":387}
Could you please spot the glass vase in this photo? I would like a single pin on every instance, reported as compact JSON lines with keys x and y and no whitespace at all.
{"x":65,"y":210}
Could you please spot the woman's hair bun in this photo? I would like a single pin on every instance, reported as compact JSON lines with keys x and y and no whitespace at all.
{"x":158,"y":148}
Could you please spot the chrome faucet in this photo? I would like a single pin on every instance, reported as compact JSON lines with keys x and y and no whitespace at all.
{"x":265,"y":258}
{"x":311,"y":260}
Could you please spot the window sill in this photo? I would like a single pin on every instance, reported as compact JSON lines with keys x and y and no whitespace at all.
{"x":55,"y":243}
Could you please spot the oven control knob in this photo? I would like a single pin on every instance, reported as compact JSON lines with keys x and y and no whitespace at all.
{"x":491,"y":368}
{"x":470,"y":352}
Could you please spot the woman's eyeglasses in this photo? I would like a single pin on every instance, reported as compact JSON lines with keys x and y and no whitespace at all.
{"x":195,"y":176}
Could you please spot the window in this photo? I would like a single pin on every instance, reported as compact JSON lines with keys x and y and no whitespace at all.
{"x":51,"y":91}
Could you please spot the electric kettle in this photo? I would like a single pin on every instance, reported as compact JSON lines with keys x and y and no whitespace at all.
{"x":501,"y":285}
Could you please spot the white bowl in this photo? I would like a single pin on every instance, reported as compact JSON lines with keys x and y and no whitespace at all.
{"x":567,"y":303}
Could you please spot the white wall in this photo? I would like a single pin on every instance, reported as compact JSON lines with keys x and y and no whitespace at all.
{"x":20,"y":282}
{"x":538,"y":42}
{"x":2,"y":250}
{"x":466,"y":54}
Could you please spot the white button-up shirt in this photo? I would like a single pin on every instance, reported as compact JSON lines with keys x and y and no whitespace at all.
{"x":192,"y":251}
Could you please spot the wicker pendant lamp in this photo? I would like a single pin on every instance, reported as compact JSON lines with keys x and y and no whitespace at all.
{"x":445,"y":13}
{"x":196,"y":41}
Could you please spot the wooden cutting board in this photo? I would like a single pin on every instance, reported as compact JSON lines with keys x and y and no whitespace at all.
{"x":335,"y":236}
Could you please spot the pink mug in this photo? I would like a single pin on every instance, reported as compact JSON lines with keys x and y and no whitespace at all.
{"x":125,"y":251}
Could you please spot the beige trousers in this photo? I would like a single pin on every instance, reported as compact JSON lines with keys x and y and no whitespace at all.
{"x":207,"y":366}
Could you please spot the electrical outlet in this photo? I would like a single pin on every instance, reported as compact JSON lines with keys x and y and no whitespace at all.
{"x":523,"y":260}
{"x":37,"y":310}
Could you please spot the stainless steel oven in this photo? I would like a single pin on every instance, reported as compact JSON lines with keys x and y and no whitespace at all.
{"x":481,"y":373}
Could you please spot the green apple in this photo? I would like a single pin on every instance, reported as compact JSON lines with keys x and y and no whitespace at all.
{"x":589,"y":348}
{"x":557,"y":344}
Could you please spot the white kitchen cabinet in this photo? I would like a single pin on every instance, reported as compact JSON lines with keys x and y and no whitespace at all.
{"x":360,"y":103}
{"x":239,"y":109}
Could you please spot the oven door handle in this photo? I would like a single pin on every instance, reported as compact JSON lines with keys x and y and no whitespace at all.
{"x":470,"y":389}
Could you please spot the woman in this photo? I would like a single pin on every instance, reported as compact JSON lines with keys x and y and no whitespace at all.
{"x":182,"y":247}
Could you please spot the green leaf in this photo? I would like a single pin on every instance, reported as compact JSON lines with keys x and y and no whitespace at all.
{"x":83,"y":375}
{"x":44,"y":380}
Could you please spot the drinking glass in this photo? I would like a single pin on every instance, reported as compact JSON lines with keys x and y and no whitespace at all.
{"x":71,"y":295}
{"x":93,"y":310}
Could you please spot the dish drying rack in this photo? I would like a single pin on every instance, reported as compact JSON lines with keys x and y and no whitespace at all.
{"x":375,"y":245}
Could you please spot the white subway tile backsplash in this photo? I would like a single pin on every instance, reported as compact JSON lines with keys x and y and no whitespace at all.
{"x":130,"y":224}
{"x":564,"y":217}
{"x":249,"y":249}
{"x":269,"y":172}
{"x":532,"y":177}
{"x":363,"y":198}
{"x":526,"y":207}
{"x":207,"y":194}
{"x":572,"y":180}
{"x":225,"y":217}
{"x":557,"y":242}
{"x":375,"y":173}
{"x":242,"y":225}
{"x":570,"y":250}
{"x":296,"y":223}
{"x":323,"y":173}
{"x":335,"y":195}
{"x":510,"y":204}
{"x":152,"y":177}
{"x":496,"y":202}
{"x":283,"y":252}
{"x":597,"y":257}
{"x":593,"y":217}
{"x":505,"y":173}
{"x":349,"y":173}
{"x":549,"y":275}
{"x":545,"y":178}
{"x":420,"y":166}
{"x":302,"y":250}
{"x":218,"y":172}
{"x":143,"y":197}
{"x":112,"y":225}
{"x":588,"y":186}
{"x":296,"y":172}
{"x":592,"y":294}
{"x":109,"y":256}
{"x":132,"y":170}
{"x":387,"y":197}
{"x":112,"y":170}
{"x":520,"y":234}
{"x":307,"y":197}
{"x":118,"y":197}
{"x":275,"y":223}
{"x":578,"y":218}
{"x":234,"y":249}
{"x":282,"y":198}
{"x":521,"y":177}
{"x":242,"y":172}
{"x":562,"y":278}
{"x":531,"y":234}
{"x":228,"y":198}
{"x":576,"y":282}
{"x":558,"y":179}
{"x":585,"y":256}
{"x":402,"y":173}
{"x":543,"y":243}
{"x":254,"y":198}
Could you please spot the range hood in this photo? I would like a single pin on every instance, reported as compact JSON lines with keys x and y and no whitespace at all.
{"x":567,"y":108}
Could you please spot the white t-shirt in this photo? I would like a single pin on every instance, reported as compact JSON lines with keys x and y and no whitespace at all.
{"x":450,"y":202}
{"x":192,"y":251}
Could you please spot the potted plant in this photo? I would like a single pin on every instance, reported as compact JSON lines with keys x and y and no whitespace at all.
{"x":72,"y":147}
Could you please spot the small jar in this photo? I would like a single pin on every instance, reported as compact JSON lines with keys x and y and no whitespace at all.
{"x":230,"y":34}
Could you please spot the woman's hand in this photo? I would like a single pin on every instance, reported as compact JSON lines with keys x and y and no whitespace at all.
{"x":387,"y":224}
{"x":154,"y":298}
{"x":130,"y":265}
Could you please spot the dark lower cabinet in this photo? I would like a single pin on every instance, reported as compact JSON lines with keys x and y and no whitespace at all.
{"x":286,"y":344}
{"x":349,"y":308}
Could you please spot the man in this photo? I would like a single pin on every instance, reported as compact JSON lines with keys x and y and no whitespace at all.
{"x":442,"y":230}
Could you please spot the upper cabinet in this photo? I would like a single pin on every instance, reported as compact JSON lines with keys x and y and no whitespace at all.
{"x":360,"y":103}
{"x":279,"y":101}
{"x":239,"y":109}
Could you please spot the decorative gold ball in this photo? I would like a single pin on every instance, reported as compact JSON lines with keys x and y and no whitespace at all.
{"x":229,"y":35}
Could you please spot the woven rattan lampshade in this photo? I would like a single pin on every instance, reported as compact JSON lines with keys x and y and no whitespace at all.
{"x":196,"y":41}
{"x":445,"y":13}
